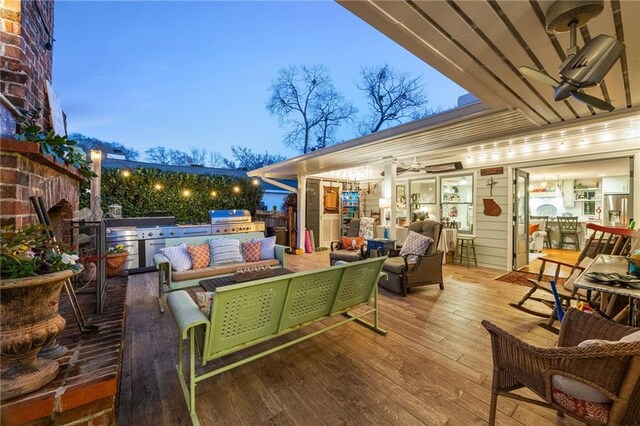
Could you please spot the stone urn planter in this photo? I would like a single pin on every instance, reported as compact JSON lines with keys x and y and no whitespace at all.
{"x":29,"y":319}
{"x":115,"y":262}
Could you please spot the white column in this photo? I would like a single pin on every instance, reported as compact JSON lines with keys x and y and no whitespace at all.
{"x":302,"y":210}
{"x":96,"y":182}
{"x":389,"y":191}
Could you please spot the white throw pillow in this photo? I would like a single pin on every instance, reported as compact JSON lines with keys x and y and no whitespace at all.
{"x":178,"y":257}
{"x":415,"y":244}
{"x":225,"y":251}
{"x":633,"y":337}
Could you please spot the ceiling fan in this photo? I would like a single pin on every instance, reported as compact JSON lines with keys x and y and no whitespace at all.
{"x":584,"y":67}
{"x":413,"y":167}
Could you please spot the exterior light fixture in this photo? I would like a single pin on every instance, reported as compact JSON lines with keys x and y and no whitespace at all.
{"x":214,"y":193}
{"x":186,"y":193}
{"x":157,"y":186}
{"x":256,"y":182}
{"x":96,"y":154}
{"x":236,"y":189}
{"x":126,"y":173}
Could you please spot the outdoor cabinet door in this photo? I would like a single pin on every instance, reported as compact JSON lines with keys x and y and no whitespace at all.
{"x":520,"y":219}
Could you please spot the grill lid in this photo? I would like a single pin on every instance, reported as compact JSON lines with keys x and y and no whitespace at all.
{"x":229,"y":216}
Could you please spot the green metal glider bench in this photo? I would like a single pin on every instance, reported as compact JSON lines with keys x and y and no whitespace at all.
{"x":246,"y":314}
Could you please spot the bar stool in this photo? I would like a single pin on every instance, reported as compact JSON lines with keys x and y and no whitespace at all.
{"x":568,"y":227}
{"x":465,"y":249}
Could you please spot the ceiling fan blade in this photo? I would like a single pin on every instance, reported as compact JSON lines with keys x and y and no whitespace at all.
{"x":538,"y":76}
{"x":593,"y":101}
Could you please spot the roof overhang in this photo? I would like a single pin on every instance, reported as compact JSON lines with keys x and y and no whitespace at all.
{"x":472,"y":135}
{"x":481,"y":44}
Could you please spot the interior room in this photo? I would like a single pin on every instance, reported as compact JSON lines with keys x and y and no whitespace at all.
{"x":588,"y":192}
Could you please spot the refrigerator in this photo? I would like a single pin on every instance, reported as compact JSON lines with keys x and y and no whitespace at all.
{"x":350,"y":203}
{"x":615,"y":208}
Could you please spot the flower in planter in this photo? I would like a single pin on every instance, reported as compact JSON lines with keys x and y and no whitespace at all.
{"x":116,"y":249}
{"x":28,"y":251}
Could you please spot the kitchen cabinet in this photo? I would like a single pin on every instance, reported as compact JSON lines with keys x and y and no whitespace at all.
{"x":615,"y":185}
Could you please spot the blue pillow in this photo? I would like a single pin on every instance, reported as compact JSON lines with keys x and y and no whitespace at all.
{"x":268,"y":249}
{"x":178,"y":257}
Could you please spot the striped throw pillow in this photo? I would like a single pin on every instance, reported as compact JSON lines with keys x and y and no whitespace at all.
{"x":268,"y":249}
{"x":251,"y":251}
{"x":178,"y":257}
{"x":200,"y":255}
{"x":225,"y":251}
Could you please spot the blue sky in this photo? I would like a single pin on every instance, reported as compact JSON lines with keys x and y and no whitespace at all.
{"x":197,"y":74}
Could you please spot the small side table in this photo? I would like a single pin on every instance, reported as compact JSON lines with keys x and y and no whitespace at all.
{"x":382,"y":245}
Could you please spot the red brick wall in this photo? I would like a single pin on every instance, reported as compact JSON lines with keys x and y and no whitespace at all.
{"x":21,"y":177}
{"x":25,"y":64}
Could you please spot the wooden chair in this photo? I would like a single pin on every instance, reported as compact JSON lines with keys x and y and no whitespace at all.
{"x":603,"y":240}
{"x":568,"y":227}
{"x":402,"y":274}
{"x":613,"y":369}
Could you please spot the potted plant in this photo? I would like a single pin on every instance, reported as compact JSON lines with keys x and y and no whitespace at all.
{"x":116,"y":258}
{"x":33,"y":269}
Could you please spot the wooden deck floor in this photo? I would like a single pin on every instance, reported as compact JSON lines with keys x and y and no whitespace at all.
{"x":433,"y":368}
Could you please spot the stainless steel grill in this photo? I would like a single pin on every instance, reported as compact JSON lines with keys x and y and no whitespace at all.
{"x":144,"y":239}
{"x":233,"y":222}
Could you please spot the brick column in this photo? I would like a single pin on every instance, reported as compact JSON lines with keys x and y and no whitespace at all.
{"x":25,"y":64}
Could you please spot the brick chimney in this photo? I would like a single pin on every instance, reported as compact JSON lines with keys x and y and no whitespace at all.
{"x":26,"y":36}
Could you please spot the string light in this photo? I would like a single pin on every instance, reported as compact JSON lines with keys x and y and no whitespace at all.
{"x":214,"y":193}
{"x":126,"y":173}
{"x":186,"y":193}
{"x":236,"y":189}
{"x":255,"y":182}
{"x":157,"y":186}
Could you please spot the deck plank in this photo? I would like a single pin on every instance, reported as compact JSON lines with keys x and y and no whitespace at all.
{"x":433,"y":368}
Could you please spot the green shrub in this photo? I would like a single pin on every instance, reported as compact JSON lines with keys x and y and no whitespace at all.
{"x":149,"y":190}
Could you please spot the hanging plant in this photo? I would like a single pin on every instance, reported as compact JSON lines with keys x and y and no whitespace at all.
{"x":62,"y":149}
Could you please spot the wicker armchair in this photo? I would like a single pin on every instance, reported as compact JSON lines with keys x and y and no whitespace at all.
{"x":403,"y":274}
{"x":613,"y":369}
{"x":603,"y":240}
{"x":342,"y":253}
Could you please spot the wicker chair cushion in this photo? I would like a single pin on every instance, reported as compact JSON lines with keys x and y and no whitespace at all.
{"x":346,"y":255}
{"x":581,"y":391}
{"x":394,"y":265}
{"x":414,"y":245}
{"x":592,"y":412}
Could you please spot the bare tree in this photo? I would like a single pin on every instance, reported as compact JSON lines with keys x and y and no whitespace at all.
{"x":198,"y":155}
{"x":393,"y":97}
{"x":296,"y":99}
{"x":333,"y":112}
{"x":158,"y":155}
{"x":217,"y":160}
{"x":249,"y":160}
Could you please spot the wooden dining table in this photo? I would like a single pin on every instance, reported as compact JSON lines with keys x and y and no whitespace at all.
{"x":609,"y":293}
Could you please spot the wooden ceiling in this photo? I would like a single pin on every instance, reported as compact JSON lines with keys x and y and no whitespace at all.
{"x":480,"y":44}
